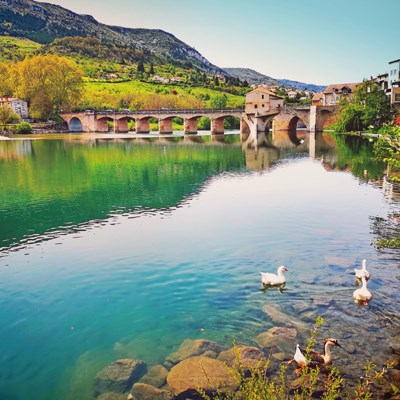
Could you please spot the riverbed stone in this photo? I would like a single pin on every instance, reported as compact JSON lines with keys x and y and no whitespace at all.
{"x":112,"y":396}
{"x":194,"y":347}
{"x":143,"y":391}
{"x":281,"y":318}
{"x":155,"y":376}
{"x":248,"y":357}
{"x":199,"y":372}
{"x":281,"y":337}
{"x":119,"y":376}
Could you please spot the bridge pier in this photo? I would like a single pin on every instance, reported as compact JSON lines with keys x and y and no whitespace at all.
{"x":142,"y":125}
{"x":121,"y":125}
{"x":101,"y":125}
{"x":217,"y":125}
{"x":165,"y":125}
{"x":190,"y":125}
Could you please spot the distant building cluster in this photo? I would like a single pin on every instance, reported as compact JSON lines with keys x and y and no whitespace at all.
{"x":19,"y":106}
{"x":389,"y":82}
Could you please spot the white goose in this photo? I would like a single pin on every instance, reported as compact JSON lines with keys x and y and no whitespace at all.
{"x":268,"y":278}
{"x":315,"y":359}
{"x":362,"y":295}
{"x":363,"y":271}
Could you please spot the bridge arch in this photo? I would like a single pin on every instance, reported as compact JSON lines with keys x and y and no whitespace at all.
{"x":102,"y":124}
{"x":75,"y":125}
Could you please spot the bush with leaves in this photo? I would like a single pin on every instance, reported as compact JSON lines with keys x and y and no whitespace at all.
{"x":24,"y":127}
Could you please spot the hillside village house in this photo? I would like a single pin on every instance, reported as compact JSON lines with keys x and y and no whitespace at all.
{"x":261,"y":100}
{"x":19,"y":106}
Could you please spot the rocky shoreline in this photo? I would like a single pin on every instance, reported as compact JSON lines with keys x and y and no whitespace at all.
{"x":201,"y":363}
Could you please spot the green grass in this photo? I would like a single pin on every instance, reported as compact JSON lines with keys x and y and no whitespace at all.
{"x":13,"y":49}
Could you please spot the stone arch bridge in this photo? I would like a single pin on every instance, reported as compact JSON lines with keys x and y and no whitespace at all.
{"x":97,"y":121}
{"x":315,"y":118}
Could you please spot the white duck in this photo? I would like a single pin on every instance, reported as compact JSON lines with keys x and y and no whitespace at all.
{"x":363,"y":271}
{"x":362,"y":295}
{"x":268,"y":278}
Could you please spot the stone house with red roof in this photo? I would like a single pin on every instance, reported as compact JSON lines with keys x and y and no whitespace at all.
{"x":333,"y":93}
{"x":261,"y":101}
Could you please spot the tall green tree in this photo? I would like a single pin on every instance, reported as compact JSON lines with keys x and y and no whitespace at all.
{"x":369,"y":109}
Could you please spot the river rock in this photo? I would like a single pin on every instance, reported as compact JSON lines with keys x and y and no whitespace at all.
{"x":199,"y":372}
{"x":143,"y":391}
{"x":281,"y":318}
{"x":191,"y":348}
{"x":156,"y":376}
{"x":119,"y":376}
{"x":281,"y":337}
{"x":112,"y":396}
{"x":247,"y":357}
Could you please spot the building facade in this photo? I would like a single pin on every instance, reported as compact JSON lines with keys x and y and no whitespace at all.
{"x":19,"y":106}
{"x":261,"y":101}
{"x":333,"y":93}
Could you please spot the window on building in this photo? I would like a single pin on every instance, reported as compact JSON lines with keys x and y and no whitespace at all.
{"x":262,"y":96}
{"x":255,"y":106}
{"x":345,"y":91}
{"x":262,"y":105}
{"x":397,"y":97}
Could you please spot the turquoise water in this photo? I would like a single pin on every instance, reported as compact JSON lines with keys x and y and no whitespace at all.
{"x":113,"y":249}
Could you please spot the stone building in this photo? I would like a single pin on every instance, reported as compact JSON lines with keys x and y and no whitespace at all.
{"x":333,"y":93}
{"x":261,"y":101}
{"x":19,"y":106}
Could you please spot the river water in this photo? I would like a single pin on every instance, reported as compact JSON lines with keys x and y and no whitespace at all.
{"x":114,"y":248}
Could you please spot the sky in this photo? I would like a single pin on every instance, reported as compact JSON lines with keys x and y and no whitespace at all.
{"x":312,"y":41}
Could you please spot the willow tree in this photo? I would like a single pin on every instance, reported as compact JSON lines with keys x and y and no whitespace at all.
{"x":47,"y":79}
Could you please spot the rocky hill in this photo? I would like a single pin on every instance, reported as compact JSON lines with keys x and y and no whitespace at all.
{"x":251,"y":76}
{"x":256,"y":78}
{"x":302,"y":85}
{"x":44,"y":22}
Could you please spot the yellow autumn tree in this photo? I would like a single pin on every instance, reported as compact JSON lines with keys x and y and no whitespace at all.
{"x":57,"y":79}
{"x":5,"y":89}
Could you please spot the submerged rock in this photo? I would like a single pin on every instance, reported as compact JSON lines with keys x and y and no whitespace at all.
{"x":281,"y":337}
{"x":247,"y":357}
{"x":191,"y":348}
{"x":143,"y":391}
{"x":199,"y":372}
{"x":156,"y":376}
{"x":119,"y":376}
{"x":112,"y":396}
{"x":279,"y":317}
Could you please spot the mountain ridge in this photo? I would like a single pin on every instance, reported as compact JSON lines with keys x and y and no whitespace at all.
{"x":45,"y":22}
{"x":257,"y":78}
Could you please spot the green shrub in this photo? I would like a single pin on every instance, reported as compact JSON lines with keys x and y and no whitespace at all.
{"x":24,"y":127}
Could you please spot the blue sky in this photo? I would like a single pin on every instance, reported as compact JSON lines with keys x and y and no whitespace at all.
{"x":313,"y":41}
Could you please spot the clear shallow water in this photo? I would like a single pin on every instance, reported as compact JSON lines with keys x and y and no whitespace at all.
{"x":116,"y":249}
